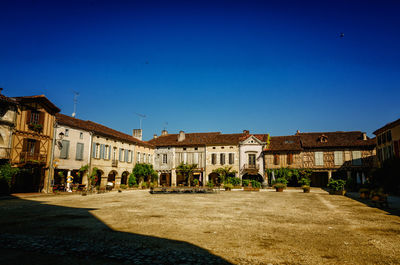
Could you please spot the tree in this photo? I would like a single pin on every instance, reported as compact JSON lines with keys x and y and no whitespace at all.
{"x":224,"y":172}
{"x":187,"y":171}
{"x":144,"y":171}
{"x":6,"y":174}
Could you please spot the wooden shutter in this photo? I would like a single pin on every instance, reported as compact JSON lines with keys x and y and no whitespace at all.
{"x":290,"y":159}
{"x":396,"y":148}
{"x":110,"y":149}
{"x":37,"y":147}
{"x":94,"y":150}
{"x":276,"y":159}
{"x":41,"y":118}
{"x":64,"y":150}
{"x":28,"y":116}
{"x":120,"y":154}
{"x":126,"y":156}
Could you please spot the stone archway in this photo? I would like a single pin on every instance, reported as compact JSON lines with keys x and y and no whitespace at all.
{"x":165,"y":179}
{"x":124,"y":178}
{"x":111,"y":179}
{"x":256,"y":177}
{"x":214,"y":177}
{"x":99,"y":175}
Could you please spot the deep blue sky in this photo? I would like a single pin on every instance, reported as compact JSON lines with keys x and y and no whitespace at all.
{"x":266,"y":66}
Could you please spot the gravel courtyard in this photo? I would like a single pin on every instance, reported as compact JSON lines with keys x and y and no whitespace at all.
{"x":229,"y":227}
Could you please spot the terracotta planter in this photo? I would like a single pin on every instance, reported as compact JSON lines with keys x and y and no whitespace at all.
{"x":279,"y":189}
{"x":337,"y":192}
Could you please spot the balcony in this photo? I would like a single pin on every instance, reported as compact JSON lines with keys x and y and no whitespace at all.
{"x":5,"y":153}
{"x":114,"y":163}
{"x":251,"y":169}
{"x":35,"y":158}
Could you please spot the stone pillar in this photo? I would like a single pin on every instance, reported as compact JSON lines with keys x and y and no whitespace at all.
{"x":173,"y":178}
{"x":117,"y":182}
{"x":103,"y":182}
{"x":159,"y":176}
{"x":85,"y":178}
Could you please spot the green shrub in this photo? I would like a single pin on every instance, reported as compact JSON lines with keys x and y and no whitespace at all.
{"x":123,"y":186}
{"x":304,"y":182}
{"x":279,"y":185}
{"x":280,"y":180}
{"x":143,"y":185}
{"x":132,"y":180}
{"x":228,"y":186}
{"x":245,"y":182}
{"x":6,"y":174}
{"x":196,"y":182}
{"x":336,"y":185}
{"x":210,"y":184}
{"x":233,"y":180}
{"x":255,"y":184}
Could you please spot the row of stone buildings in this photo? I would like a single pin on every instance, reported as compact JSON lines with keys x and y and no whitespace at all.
{"x":36,"y":137}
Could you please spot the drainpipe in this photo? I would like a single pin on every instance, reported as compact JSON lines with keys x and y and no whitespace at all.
{"x":90,"y":158}
{"x":51,"y":169}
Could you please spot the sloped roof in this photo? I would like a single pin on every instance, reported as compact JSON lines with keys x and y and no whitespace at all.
{"x":191,"y":139}
{"x":285,"y":143}
{"x":334,"y":139}
{"x":388,"y":126}
{"x":226,"y":139}
{"x":7,"y":99}
{"x":47,"y":104}
{"x":98,"y":129}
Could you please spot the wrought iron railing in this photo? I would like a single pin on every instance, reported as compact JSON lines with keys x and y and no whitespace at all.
{"x":28,"y":157}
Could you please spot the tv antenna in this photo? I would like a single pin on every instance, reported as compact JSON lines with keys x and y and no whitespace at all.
{"x":76,"y":94}
{"x":141,"y":117}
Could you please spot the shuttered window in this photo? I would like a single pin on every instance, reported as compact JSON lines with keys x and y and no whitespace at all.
{"x":319,"y":158}
{"x":276,"y":159}
{"x":356,"y":158}
{"x":196,"y":158}
{"x":102,"y":147}
{"x":252,"y":159}
{"x":165,"y":159}
{"x":213,"y":159}
{"x":138,"y":157}
{"x":222,"y":159}
{"x":121,"y":151}
{"x":231,"y":158}
{"x":289,"y":159}
{"x":94,"y":150}
{"x":64,"y":149}
{"x":126,"y":156}
{"x":338,"y":158}
{"x":79,"y":151}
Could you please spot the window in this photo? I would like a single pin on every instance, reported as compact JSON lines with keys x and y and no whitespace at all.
{"x":289,"y":159}
{"x":66,"y":132}
{"x":389,"y":135}
{"x":338,"y":158}
{"x":184,"y":158}
{"x":184,"y":149}
{"x":213,"y":159}
{"x":138,"y":157}
{"x":81,"y":135}
{"x":107,"y":152}
{"x":79,"y":151}
{"x":222,"y":147}
{"x":214,"y":147}
{"x":164,"y":159}
{"x":64,"y":149}
{"x":35,"y":115}
{"x":149,"y":159}
{"x":222,"y":159}
{"x":356,"y":158}
{"x":379,"y":153}
{"x":379,"y":139}
{"x":319,"y":158}
{"x":276,"y":159}
{"x":144,"y":158}
{"x":384,"y":138}
{"x":252,"y":159}
{"x":126,"y":155}
{"x":195,"y":148}
{"x":231,"y":158}
{"x":121,"y":155}
{"x":114,"y":153}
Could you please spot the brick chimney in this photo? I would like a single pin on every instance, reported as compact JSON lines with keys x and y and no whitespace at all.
{"x":181,"y":136}
{"x":297,"y":132}
{"x":155,"y":136}
{"x":137,"y":133}
{"x":246,"y":131}
{"x":164,"y":132}
{"x":364,"y":135}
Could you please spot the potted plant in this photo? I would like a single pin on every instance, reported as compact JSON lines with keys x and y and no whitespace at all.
{"x":336,"y":187}
{"x":305,"y":184}
{"x":143,"y":185}
{"x":228,"y":187}
{"x":280,"y":184}
{"x":196,"y":182}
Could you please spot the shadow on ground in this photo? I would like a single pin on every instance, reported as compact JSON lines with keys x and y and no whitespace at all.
{"x":393,"y":207}
{"x":32,"y":232}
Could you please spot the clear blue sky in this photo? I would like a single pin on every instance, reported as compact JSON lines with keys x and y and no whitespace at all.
{"x":267,"y":66}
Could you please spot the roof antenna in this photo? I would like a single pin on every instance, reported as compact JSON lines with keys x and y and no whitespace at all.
{"x":141,"y":117}
{"x":76,"y":94}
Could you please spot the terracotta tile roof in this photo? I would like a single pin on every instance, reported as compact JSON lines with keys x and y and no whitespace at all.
{"x":284,"y":143}
{"x":226,"y":139}
{"x":334,"y":139}
{"x":99,"y":129}
{"x":261,"y":137}
{"x":50,"y":107}
{"x":388,"y":126}
{"x":191,"y":139}
{"x":7,"y":99}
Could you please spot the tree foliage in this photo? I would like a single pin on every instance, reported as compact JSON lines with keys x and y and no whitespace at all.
{"x":144,"y":172}
{"x":6,"y":174}
{"x":224,"y":172}
{"x":187,"y":171}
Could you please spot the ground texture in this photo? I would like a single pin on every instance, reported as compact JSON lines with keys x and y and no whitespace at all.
{"x":228,"y":227}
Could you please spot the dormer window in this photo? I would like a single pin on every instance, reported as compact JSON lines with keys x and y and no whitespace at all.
{"x":323,"y":139}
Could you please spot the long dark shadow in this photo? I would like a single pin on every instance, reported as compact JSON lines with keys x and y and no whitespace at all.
{"x":32,"y":232}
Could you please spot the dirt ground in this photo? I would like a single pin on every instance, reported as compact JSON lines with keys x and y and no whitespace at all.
{"x":229,"y":227}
